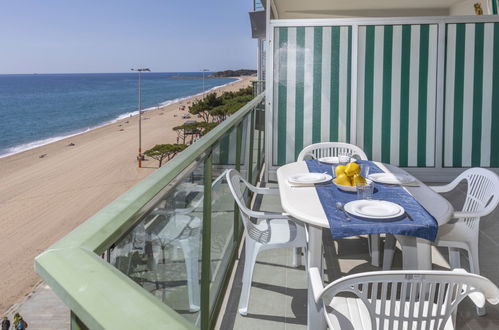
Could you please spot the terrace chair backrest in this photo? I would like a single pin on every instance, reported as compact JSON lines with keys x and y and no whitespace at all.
{"x":331,"y":149}
{"x":483,"y":190}
{"x":482,"y":195}
{"x":234,"y":179}
{"x":413,"y":299}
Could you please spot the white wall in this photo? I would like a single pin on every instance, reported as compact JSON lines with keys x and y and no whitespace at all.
{"x":351,"y":13}
{"x":467,"y":7}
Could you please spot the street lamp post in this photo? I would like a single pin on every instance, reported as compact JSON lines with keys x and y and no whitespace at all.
{"x":140,"y":116}
{"x":204,"y":70}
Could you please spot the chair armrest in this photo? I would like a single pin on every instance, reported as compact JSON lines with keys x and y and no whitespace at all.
{"x":315,"y":279}
{"x":450,"y":186}
{"x":478,"y":298}
{"x":307,"y":239}
{"x":267,"y":215}
{"x":259,"y":190}
{"x":309,"y":154}
{"x":442,"y":189}
{"x":461,"y":214}
{"x":264,"y":191}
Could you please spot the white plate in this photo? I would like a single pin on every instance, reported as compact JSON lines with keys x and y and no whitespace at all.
{"x":374,"y":209}
{"x":334,"y":160}
{"x":390,"y":178}
{"x":309,"y":178}
{"x":329,"y":160}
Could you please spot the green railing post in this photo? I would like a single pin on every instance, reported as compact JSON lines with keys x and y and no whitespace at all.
{"x":262,"y":132}
{"x":239,"y":138}
{"x":206,"y":246}
{"x":251,"y":144}
{"x":259,"y":156}
{"x":261,"y":126}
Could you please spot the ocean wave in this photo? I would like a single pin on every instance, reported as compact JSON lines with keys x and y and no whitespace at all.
{"x":38,"y":143}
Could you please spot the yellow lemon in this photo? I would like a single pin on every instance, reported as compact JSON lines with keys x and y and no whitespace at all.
{"x":357,"y":179}
{"x":343,"y":180}
{"x":351,"y":169}
{"x":340,"y":169}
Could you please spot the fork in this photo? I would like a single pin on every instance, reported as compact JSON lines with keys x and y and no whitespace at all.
{"x":339,"y":206}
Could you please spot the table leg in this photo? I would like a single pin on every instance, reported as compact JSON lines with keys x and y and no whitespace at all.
{"x":424,"y":254}
{"x":416,"y":253}
{"x":375,"y":248}
{"x":315,"y":316}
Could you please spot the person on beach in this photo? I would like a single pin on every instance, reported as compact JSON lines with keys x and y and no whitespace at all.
{"x":18,"y":322}
{"x":15,"y":319}
{"x":5,"y":323}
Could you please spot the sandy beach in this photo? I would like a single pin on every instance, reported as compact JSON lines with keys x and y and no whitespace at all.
{"x":48,"y":191}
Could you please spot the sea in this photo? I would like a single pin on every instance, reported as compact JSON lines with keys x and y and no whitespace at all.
{"x":36,"y":109}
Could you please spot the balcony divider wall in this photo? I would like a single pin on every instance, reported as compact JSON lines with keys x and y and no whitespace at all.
{"x":415,"y":92}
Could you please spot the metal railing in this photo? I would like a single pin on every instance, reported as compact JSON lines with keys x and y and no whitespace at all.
{"x":114,"y":271}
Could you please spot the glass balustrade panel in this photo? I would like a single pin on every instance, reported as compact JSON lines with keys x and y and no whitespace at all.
{"x":163,"y":251}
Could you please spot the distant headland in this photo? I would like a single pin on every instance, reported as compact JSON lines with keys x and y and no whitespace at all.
{"x":223,"y":74}
{"x":232,"y":73}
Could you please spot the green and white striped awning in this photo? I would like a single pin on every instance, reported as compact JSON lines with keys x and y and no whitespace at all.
{"x":471,"y":133}
{"x":395,"y":92}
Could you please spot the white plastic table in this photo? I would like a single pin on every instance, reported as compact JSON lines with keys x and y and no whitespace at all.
{"x":303,"y":204}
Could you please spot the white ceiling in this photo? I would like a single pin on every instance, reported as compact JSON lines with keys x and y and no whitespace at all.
{"x":360,"y":8}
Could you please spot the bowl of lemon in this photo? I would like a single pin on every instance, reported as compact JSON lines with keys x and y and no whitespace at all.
{"x":348,"y":177}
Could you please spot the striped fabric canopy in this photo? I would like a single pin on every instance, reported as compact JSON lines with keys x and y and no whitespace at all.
{"x":472,"y":107}
{"x":312,"y":93}
{"x":396,"y":92}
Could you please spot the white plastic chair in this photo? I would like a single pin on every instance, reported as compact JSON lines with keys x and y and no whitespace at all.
{"x":182,"y":231}
{"x":331,"y":149}
{"x":399,"y":299}
{"x":274,"y":230}
{"x":334,"y":149}
{"x":481,"y":199}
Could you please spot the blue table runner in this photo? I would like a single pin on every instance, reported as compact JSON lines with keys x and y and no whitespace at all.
{"x":422,"y":225}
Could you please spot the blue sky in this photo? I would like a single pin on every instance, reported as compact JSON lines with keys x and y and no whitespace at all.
{"x":60,"y":36}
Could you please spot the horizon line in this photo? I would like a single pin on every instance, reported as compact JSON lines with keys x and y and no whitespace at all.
{"x":35,"y":73}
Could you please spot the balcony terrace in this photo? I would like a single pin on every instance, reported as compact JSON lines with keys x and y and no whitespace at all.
{"x":143,"y":265}
{"x":166,"y":255}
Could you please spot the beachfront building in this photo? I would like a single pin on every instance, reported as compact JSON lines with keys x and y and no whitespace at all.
{"x":410,"y":83}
